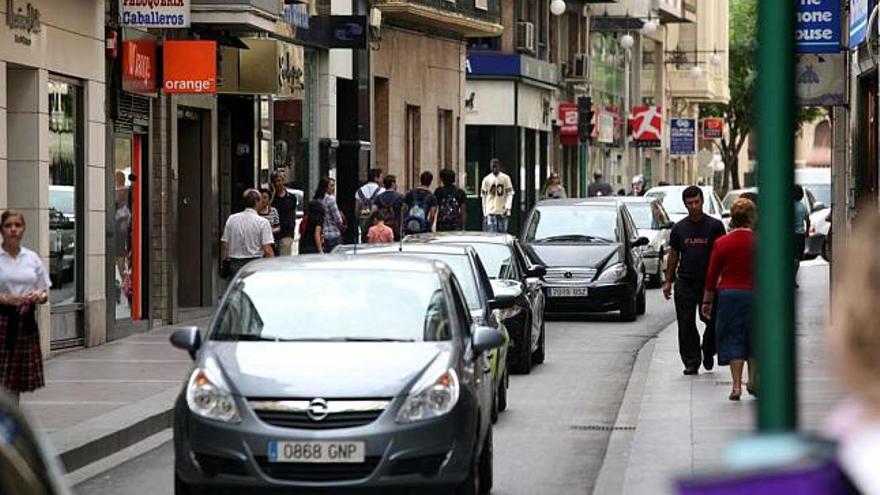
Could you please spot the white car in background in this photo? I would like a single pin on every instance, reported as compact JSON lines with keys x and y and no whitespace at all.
{"x":670,"y":198}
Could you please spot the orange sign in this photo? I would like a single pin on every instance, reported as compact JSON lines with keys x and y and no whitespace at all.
{"x":713,"y":127}
{"x":190,"y":67}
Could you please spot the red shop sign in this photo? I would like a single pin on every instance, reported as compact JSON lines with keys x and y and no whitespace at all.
{"x":713,"y":127}
{"x":568,"y":115}
{"x":139,"y":66}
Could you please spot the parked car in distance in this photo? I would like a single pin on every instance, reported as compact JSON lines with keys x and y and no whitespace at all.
{"x":652,"y":222}
{"x":350,"y":397}
{"x":670,"y":197}
{"x":504,"y":259}
{"x":483,"y":304}
{"x":591,"y":250}
{"x":732,"y":196}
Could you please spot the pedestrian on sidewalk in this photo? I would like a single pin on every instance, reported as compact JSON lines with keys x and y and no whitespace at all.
{"x":451,"y":199}
{"x":599,"y":187}
{"x":365,"y":198}
{"x":246,"y":236}
{"x":729,"y":285}
{"x":311,"y":230}
{"x":691,"y":242}
{"x":497,"y":193}
{"x":801,"y":227}
{"x":285,"y":202}
{"x":24,"y":283}
{"x":270,"y":213}
{"x":553,"y":188}
{"x":390,"y":202}
{"x":380,"y":233}
{"x":420,"y":206}
{"x":334,"y":222}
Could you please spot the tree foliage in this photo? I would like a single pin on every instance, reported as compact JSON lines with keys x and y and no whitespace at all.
{"x":739,"y":113}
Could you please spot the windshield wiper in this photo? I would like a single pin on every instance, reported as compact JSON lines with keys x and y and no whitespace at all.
{"x":573,"y":238}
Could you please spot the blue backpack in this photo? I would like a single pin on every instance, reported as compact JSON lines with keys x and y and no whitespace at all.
{"x":416,"y":220}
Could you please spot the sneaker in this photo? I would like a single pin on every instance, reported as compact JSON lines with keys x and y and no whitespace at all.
{"x":691,"y":370}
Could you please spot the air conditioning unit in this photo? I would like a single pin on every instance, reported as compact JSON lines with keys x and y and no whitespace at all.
{"x":525,"y":37}
{"x":581,"y":67}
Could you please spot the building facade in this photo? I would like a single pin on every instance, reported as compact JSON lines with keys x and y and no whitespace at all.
{"x":52,"y":155}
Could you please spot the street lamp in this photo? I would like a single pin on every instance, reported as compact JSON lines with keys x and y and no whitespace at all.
{"x":649,"y":27}
{"x":716,"y":59}
{"x":627,"y":41}
{"x":557,"y":7}
{"x":696,"y":72}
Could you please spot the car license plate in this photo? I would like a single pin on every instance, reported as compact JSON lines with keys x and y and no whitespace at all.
{"x":317,"y":452}
{"x":569,"y":292}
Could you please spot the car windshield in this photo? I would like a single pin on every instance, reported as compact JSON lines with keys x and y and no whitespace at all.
{"x":822,"y":192}
{"x":642,"y":215}
{"x":496,"y":258}
{"x":462,"y":269}
{"x":729,"y":198}
{"x":674,"y":205}
{"x":573,"y":224}
{"x":283,"y":306}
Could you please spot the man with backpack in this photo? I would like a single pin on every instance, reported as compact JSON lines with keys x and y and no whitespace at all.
{"x":364,"y":199}
{"x":451,"y":208}
{"x":390,"y":203}
{"x":420,"y":207}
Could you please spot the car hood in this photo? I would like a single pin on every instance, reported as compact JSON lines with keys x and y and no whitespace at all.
{"x":325,"y":369}
{"x":573,"y":255}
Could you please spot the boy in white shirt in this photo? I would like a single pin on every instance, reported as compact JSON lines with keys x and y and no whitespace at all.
{"x":497,"y":194}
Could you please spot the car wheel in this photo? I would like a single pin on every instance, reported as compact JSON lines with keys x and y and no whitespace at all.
{"x":628,"y":309}
{"x":181,"y":488}
{"x":502,"y":392}
{"x":524,"y":351}
{"x":641,"y":303}
{"x":485,"y":469}
{"x":826,"y":250}
{"x":539,"y":355}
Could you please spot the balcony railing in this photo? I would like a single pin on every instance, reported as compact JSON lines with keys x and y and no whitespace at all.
{"x":468,"y":18}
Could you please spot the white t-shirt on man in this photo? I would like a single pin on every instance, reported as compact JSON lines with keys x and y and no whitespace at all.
{"x":246,"y":233}
{"x":497,"y":193}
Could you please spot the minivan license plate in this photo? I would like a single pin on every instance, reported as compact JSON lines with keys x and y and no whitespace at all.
{"x":569,"y":292}
{"x":317,"y":452}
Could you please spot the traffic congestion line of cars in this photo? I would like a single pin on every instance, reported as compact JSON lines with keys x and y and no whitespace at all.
{"x":382,"y":367}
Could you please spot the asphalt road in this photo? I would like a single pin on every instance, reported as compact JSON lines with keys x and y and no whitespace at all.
{"x":551,"y":440}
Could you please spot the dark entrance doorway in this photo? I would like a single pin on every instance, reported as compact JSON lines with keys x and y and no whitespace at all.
{"x":194,"y":260}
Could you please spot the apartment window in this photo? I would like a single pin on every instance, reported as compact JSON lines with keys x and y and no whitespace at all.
{"x":445,"y":139}
{"x":413,"y":144}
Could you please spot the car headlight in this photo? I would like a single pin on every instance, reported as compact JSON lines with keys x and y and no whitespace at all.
{"x":208,"y":395}
{"x":507,"y":313}
{"x":433,"y":396}
{"x":613,"y":273}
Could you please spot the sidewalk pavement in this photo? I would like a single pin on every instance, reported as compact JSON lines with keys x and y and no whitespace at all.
{"x":100,"y":400}
{"x":671,"y":425}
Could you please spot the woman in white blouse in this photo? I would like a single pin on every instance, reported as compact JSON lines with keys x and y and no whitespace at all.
{"x":24,"y":283}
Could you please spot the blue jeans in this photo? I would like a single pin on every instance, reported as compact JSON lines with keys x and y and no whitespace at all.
{"x":496,"y":223}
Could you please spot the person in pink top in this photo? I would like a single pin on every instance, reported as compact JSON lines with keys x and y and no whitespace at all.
{"x":380,"y":233}
{"x":729,"y":285}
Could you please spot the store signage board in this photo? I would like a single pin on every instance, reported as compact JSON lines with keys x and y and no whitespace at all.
{"x":606,"y":128}
{"x":139,"y":66}
{"x":818,"y":26}
{"x":189,"y":67}
{"x":683,"y":137}
{"x":169,"y":14}
{"x":713,"y":128}
{"x":647,"y":126}
{"x":858,"y":21}
{"x":568,"y":116}
{"x":820,"y":80}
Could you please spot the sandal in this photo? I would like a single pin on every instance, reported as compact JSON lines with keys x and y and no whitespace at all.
{"x":735,"y":394}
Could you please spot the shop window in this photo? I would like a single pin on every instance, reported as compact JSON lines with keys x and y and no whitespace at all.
{"x":413,"y":144}
{"x":66,"y":172}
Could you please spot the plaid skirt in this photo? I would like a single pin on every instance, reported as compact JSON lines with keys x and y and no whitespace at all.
{"x":21,"y":361}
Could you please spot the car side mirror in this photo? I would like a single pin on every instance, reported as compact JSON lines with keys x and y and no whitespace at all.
{"x":640,"y":241}
{"x":188,"y":339}
{"x":537,"y":271}
{"x":486,"y":339}
{"x":502,"y":301}
{"x":668,"y":225}
{"x":818,"y":205}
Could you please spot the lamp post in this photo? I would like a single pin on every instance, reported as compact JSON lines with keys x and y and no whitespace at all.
{"x":627,"y":42}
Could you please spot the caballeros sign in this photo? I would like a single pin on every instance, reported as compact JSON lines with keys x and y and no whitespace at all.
{"x":155,"y":13}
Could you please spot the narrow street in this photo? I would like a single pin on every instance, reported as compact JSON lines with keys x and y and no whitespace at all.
{"x":552,"y":438}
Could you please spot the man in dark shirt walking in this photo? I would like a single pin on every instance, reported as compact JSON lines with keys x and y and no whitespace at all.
{"x":285,"y":203}
{"x":599,"y":187}
{"x":451,"y":208}
{"x":691,"y":241}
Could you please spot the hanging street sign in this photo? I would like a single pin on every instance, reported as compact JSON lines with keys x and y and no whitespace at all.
{"x":683,"y":137}
{"x":713,"y":128}
{"x":647,"y":127}
{"x":818,"y":26}
{"x":858,"y":22}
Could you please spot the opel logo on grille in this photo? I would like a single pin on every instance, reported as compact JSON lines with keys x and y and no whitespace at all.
{"x":568,"y":275}
{"x":318,"y":410}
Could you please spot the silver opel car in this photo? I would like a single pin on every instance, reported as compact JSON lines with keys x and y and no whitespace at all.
{"x":337,"y":373}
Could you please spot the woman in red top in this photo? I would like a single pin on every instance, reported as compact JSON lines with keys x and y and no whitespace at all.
{"x":730,"y":274}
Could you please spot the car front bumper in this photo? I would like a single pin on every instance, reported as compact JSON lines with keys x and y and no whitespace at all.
{"x":600,"y":298}
{"x":435,"y":452}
